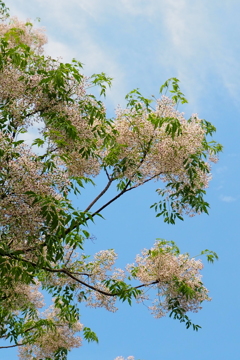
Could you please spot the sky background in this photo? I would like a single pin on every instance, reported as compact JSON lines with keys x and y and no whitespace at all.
{"x":141,"y":44}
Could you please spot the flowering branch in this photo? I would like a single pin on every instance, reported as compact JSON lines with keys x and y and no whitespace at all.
{"x":42,"y":235}
{"x":72,"y":275}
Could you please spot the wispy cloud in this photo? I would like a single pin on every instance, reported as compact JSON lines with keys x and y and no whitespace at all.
{"x":71,"y":34}
{"x":221,"y":169}
{"x":227,"y":199}
{"x":184,"y":39}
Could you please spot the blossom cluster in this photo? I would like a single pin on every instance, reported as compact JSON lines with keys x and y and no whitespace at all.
{"x":19,"y":296}
{"x":172,"y":276}
{"x":93,"y":272}
{"x":149,"y":149}
{"x":18,"y":32}
{"x":30,"y":98}
{"x":21,"y":221}
{"x":62,"y":335}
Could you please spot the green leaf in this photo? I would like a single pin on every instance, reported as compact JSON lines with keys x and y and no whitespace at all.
{"x":89,"y":335}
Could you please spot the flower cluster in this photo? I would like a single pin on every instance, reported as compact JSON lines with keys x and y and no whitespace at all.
{"x":21,"y":172}
{"x":20,"y":296}
{"x":151,"y":151}
{"x":30,"y":96}
{"x":20,"y":32}
{"x":62,"y":335}
{"x":100,"y":269}
{"x":172,"y":275}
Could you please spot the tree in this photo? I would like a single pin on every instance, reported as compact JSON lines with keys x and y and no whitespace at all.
{"x":42,"y":234}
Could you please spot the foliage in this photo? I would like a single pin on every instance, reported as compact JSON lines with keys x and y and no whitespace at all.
{"x":42,"y":234}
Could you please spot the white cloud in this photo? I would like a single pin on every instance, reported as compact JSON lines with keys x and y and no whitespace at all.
{"x":200,"y":49}
{"x":59,"y":50}
{"x":138,"y":7}
{"x":221,"y":169}
{"x":219,"y":187}
{"x":70,"y":35}
{"x":189,"y":43}
{"x":227,"y":199}
{"x":95,"y":60}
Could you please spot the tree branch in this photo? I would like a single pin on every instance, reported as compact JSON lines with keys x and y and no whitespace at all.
{"x":144,"y":182}
{"x":72,"y":276}
{"x":10,"y":346}
{"x":112,"y":200}
{"x":100,"y":195}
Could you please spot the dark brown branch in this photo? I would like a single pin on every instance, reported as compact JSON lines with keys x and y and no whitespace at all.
{"x":72,"y":276}
{"x":82,"y":274}
{"x":10,"y":346}
{"x":144,"y":182}
{"x":129,"y":181}
{"x":108,"y":176}
{"x":68,"y":230}
{"x":112,"y":200}
{"x":63,"y":271}
{"x":100,"y":195}
{"x":144,"y":285}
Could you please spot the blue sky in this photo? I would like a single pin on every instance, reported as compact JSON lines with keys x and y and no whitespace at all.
{"x":141,"y":43}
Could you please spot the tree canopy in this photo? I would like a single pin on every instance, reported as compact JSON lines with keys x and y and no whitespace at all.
{"x":42,"y":234}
